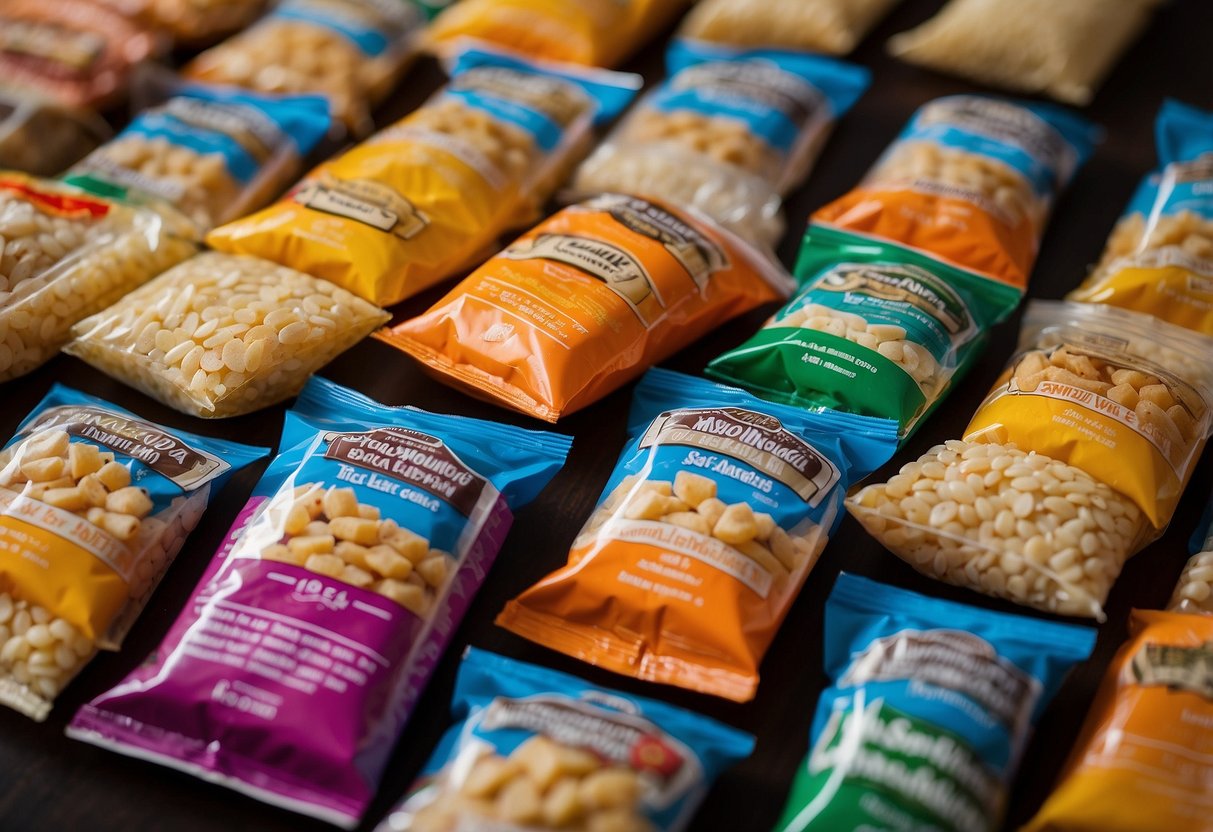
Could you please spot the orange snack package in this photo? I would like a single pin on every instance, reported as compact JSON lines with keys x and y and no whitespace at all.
{"x":717,"y":511}
{"x":590,"y":32}
{"x":1144,"y":760}
{"x":970,"y":181}
{"x":585,"y":302}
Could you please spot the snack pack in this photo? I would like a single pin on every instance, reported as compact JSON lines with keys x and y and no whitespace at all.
{"x":1074,"y":461}
{"x":970,"y":181}
{"x":211,"y":153}
{"x":728,"y":132}
{"x":424,"y":197}
{"x":585,"y":302}
{"x":1062,"y":50}
{"x":589,"y":32}
{"x":350,"y":51}
{"x":1141,"y":763}
{"x":1194,"y":591}
{"x":536,"y":749}
{"x":68,"y":255}
{"x":192,"y":22}
{"x":930,"y":707}
{"x":94,"y":505}
{"x":78,"y":53}
{"x":43,"y":138}
{"x":716,"y":512}
{"x":1159,"y":257}
{"x":831,"y":26}
{"x":295,"y":664}
{"x":875,"y":329}
{"x":220,"y":335}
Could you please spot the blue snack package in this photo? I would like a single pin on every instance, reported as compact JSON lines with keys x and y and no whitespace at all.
{"x":930,"y":707}
{"x":1159,"y":257}
{"x":95,"y":503}
{"x":537,"y":749}
{"x":709,"y":526}
{"x":729,"y":132}
{"x":349,"y":569}
{"x":212,"y":153}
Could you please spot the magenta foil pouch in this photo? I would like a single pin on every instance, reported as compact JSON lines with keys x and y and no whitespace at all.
{"x":293,"y":668}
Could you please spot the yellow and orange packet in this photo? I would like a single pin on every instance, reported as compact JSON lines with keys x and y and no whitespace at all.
{"x":420,"y":200}
{"x":589,"y":32}
{"x":717,"y":510}
{"x":1159,"y":257}
{"x":585,"y":302}
{"x":1144,"y":760}
{"x":970,"y":181}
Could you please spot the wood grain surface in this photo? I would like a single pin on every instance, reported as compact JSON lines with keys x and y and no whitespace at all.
{"x":50,"y":783}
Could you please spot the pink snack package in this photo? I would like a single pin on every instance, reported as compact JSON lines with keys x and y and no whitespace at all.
{"x":296,"y":662}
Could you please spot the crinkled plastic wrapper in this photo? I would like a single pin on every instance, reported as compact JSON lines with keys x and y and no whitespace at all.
{"x":40,"y":137}
{"x":588,"y":32}
{"x":211,"y":154}
{"x":350,"y":51}
{"x":714,"y":516}
{"x":971,"y":181}
{"x":1062,"y":50}
{"x":422,"y":199}
{"x":535,"y":749}
{"x":192,"y":22}
{"x":1141,"y":763}
{"x":76,"y":52}
{"x":728,"y":133}
{"x":585,"y":302}
{"x":875,"y":329}
{"x":68,"y":255}
{"x":350,"y":568}
{"x":221,"y":335}
{"x":1159,"y":257}
{"x":929,"y":709}
{"x":832,"y":26}
{"x":95,"y":503}
{"x":1075,"y":460}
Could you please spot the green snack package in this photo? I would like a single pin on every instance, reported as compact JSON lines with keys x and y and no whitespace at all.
{"x":876,"y":329}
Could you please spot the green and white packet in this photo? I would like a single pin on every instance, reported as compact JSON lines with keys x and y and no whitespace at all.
{"x":876,"y":329}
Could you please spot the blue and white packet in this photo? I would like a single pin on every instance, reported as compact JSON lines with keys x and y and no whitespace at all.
{"x":211,"y":153}
{"x":536,"y":749}
{"x":930,"y":707}
{"x":95,"y":503}
{"x":1159,"y":257}
{"x":729,"y":132}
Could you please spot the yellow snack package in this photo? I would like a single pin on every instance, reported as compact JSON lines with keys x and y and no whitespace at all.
{"x":1074,"y":461}
{"x":421,"y":199}
{"x":589,"y":32}
{"x":1060,"y":49}
{"x":1159,"y":257}
{"x":1145,"y":756}
{"x":831,"y":26}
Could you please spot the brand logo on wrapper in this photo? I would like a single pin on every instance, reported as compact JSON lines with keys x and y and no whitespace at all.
{"x":412,"y":457}
{"x":253,"y":130}
{"x":954,"y":660}
{"x":668,"y":767}
{"x":314,"y":591}
{"x":1187,"y":669}
{"x":187,"y":467}
{"x":753,"y":81}
{"x":42,"y":40}
{"x":902,"y":284}
{"x":700,"y":256}
{"x":556,"y":98}
{"x":755,"y":438}
{"x":362,"y":200}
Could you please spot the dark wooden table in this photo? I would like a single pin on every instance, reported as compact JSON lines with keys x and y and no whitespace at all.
{"x":50,"y":783}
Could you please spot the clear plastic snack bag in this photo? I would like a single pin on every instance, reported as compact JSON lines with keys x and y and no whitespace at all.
{"x":40,"y":137}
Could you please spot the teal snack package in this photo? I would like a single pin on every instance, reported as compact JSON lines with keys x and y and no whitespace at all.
{"x":876,"y":329}
{"x":536,"y":749}
{"x":930,"y":706}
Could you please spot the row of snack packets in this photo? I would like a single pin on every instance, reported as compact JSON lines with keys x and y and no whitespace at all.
{"x":1063,"y":50}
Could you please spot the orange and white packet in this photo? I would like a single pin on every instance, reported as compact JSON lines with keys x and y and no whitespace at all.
{"x":970,"y":181}
{"x":585,"y":302}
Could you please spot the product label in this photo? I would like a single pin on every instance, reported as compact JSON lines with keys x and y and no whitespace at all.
{"x":371,"y":203}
